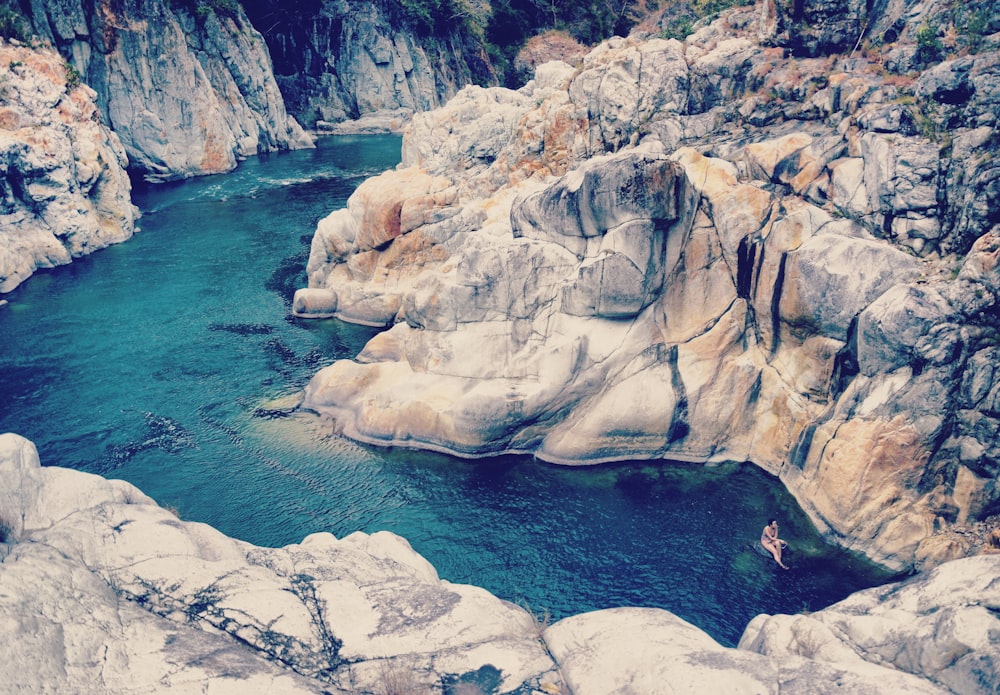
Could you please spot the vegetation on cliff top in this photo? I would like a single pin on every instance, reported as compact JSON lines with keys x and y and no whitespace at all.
{"x":13,"y":24}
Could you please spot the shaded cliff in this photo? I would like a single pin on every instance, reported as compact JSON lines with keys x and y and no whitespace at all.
{"x":704,"y":250}
{"x":338,"y":60}
{"x":187,"y":86}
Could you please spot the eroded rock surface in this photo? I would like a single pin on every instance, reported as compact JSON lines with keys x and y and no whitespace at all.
{"x":702,"y":250}
{"x":346,"y":66}
{"x":64,"y":192}
{"x":937,"y":626}
{"x":104,"y":591}
{"x":188,"y":91}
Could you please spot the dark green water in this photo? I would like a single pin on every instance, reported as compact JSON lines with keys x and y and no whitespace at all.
{"x":146,"y":362}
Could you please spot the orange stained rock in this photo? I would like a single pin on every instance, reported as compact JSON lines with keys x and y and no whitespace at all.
{"x":984,"y":257}
{"x":217,"y":157}
{"x":382,"y":198}
{"x":9,"y":119}
{"x":363,"y":265}
{"x":870,"y":465}
{"x":412,"y":251}
{"x":769,"y":153}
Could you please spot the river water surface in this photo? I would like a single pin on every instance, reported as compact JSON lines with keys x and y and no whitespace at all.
{"x":147,"y":361}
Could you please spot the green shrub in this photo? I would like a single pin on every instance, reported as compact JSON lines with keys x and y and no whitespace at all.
{"x":13,"y":24}
{"x":73,"y":77}
{"x":929,"y":47}
{"x":973,"y":28}
{"x":203,"y":8}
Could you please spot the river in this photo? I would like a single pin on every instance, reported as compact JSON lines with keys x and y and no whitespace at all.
{"x":148,"y":361}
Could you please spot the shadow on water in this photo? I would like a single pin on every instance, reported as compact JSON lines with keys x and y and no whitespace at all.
{"x":147,"y":361}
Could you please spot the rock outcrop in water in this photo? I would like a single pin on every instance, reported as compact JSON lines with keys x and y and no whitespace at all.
{"x":64,"y":189}
{"x":104,"y":591}
{"x":708,"y":250}
{"x":188,"y":92}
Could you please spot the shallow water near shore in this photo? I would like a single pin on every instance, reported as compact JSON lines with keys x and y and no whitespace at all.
{"x":147,"y":361}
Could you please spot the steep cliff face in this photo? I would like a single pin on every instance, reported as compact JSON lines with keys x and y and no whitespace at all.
{"x":63,"y":187}
{"x":702,"y":250}
{"x":188,"y":92}
{"x":339,"y":60}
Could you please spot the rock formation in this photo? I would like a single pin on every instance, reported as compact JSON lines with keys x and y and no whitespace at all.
{"x":346,"y":65}
{"x":104,"y":591}
{"x":64,"y":189}
{"x":708,"y":250}
{"x":187,"y":86}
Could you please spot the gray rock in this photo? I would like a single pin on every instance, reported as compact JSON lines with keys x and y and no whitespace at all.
{"x":831,"y":279}
{"x":937,"y":626}
{"x":105,"y":591}
{"x":346,"y":62}
{"x":64,"y":192}
{"x":187,"y":93}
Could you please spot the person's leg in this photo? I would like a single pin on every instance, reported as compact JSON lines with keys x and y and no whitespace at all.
{"x":774,"y":547}
{"x":776,"y":551}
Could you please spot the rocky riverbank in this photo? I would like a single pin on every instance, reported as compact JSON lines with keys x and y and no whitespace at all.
{"x":104,"y":591}
{"x":715,"y":249}
{"x":188,"y":87}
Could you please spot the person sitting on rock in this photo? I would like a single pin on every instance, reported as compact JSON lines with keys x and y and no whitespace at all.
{"x":769,"y":539}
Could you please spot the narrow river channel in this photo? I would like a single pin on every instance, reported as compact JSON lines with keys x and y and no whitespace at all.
{"x":147,"y":362}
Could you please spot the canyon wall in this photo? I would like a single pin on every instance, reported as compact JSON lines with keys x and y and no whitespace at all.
{"x":368,"y":62}
{"x":704,"y":250}
{"x":189,"y":90}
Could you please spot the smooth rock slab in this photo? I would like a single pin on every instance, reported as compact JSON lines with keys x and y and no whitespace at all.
{"x":942,"y":625}
{"x":103,"y":591}
{"x":649,"y":651}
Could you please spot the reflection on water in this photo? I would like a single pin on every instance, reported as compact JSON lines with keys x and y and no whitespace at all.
{"x":148,"y":360}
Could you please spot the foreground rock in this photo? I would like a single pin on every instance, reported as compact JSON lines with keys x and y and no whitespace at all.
{"x":709,"y":250}
{"x":938,"y":626}
{"x":104,"y":591}
{"x":64,"y":189}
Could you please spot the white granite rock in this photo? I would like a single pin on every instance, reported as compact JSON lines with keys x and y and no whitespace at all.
{"x":64,"y":189}
{"x":650,"y":651}
{"x":703,"y":251}
{"x":188,"y":93}
{"x":941,"y":625}
{"x":103,"y":591}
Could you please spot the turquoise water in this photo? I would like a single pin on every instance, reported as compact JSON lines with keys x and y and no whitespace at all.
{"x":147,"y":361}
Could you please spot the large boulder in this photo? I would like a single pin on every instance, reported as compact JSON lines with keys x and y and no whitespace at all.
{"x":936,"y":626}
{"x":703,"y":251}
{"x":158,"y":603}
